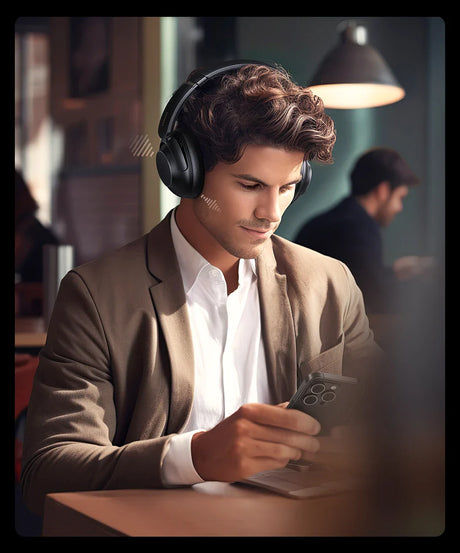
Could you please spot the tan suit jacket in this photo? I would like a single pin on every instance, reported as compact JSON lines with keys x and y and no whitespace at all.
{"x":115,"y":378}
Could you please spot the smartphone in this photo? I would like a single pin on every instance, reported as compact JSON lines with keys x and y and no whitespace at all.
{"x":329,"y":398}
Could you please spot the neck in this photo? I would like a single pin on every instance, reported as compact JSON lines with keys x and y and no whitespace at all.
{"x":204,"y":243}
{"x":368,"y":204}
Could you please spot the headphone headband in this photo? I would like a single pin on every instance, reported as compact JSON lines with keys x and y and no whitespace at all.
{"x":173,"y":107}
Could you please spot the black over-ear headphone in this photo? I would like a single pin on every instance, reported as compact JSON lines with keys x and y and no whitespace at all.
{"x":179,"y":159}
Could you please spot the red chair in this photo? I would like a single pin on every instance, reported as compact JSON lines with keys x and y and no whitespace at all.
{"x":24,"y":369}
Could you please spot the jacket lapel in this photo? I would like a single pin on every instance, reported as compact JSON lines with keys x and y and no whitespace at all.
{"x":170,"y":306}
{"x":277,"y":327}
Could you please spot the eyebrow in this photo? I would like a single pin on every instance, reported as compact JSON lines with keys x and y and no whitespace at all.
{"x":251,"y":178}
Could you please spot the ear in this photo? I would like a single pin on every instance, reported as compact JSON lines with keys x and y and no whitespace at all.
{"x":383,"y":190}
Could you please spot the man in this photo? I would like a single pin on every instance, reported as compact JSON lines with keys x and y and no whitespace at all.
{"x":167,"y":360}
{"x":350,"y":231}
{"x":30,"y":235}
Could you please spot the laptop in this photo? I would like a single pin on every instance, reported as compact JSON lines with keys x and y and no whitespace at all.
{"x":302,"y":480}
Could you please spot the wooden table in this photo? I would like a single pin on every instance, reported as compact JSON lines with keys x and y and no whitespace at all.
{"x":208,"y":509}
{"x":29,"y":332}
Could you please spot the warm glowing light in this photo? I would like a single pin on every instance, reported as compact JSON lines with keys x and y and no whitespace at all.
{"x":357,"y":95}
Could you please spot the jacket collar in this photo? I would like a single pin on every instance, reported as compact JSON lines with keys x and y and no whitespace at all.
{"x":161,"y":259}
{"x":277,"y":325}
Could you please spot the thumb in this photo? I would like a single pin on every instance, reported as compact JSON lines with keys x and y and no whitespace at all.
{"x":283,"y":405}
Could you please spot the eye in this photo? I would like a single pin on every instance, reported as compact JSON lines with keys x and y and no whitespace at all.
{"x":250,"y":187}
{"x":288,"y":188}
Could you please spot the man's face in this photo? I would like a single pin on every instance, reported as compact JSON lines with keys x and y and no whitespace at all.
{"x":242,"y":203}
{"x":391,"y":204}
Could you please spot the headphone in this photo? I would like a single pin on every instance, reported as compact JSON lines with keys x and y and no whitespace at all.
{"x":179,"y":160}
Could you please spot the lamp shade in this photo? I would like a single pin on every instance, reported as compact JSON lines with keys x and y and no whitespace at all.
{"x":355,"y":75}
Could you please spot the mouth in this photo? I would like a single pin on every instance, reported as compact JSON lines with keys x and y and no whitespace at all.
{"x":261,"y":234}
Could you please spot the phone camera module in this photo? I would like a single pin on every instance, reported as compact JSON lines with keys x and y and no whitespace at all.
{"x":310,"y":399}
{"x":318,"y":388}
{"x":328,"y":396}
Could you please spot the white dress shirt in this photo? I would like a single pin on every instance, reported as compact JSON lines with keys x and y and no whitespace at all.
{"x":229,"y":357}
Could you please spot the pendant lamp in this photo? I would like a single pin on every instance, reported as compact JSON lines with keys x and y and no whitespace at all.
{"x":355,"y":75}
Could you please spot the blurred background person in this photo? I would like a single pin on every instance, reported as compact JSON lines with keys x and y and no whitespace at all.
{"x":351,"y":230}
{"x":30,"y":235}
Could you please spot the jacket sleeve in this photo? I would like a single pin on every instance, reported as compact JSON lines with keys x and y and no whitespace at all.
{"x":71,"y":417}
{"x":362,"y":357}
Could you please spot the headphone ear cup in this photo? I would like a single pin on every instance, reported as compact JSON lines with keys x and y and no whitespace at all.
{"x":180,"y":165}
{"x":306,"y":179}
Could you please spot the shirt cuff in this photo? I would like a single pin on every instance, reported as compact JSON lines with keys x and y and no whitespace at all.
{"x":177,"y":468}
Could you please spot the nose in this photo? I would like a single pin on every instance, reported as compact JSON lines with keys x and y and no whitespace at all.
{"x":269,"y":207}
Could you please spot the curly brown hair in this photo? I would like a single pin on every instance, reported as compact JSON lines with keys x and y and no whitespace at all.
{"x":257,"y":105}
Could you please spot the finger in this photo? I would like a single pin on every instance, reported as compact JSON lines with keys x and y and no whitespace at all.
{"x":271,"y":434}
{"x":273,"y":415}
{"x":282,"y":453}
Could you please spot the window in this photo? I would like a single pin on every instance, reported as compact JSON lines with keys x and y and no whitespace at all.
{"x":32,"y":121}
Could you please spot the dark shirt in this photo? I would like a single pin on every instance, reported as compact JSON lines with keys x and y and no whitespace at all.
{"x":348,"y":233}
{"x":36,"y":236}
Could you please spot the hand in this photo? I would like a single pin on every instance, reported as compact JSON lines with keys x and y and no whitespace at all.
{"x":413,"y":266}
{"x":255,"y":438}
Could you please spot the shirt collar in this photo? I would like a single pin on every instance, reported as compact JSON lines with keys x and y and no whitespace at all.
{"x":191,"y":262}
